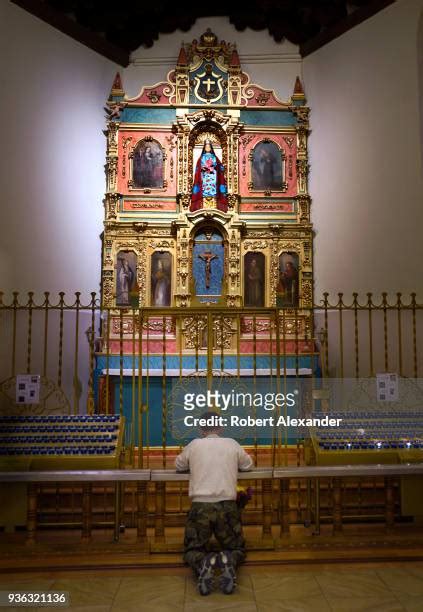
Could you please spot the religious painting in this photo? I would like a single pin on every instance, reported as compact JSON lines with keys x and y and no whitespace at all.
{"x":254,"y":279}
{"x":127,"y":291}
{"x":287,"y":291}
{"x":266,"y":167}
{"x":208,"y":265}
{"x":209,"y":185}
{"x":161,"y":279}
{"x":147,"y":165}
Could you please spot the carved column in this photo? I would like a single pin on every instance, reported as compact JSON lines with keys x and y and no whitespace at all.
{"x":303,"y":202}
{"x":234,"y":268}
{"x":274,"y":271}
{"x":112,"y":206}
{"x":302,"y":132}
{"x":182,"y":289}
{"x":302,"y":176}
{"x":112,"y":155}
{"x":182,"y":130}
{"x":142,"y":272}
{"x":232,"y":132}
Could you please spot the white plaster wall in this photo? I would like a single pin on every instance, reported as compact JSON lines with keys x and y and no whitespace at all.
{"x":420,"y":69}
{"x":365,"y":155}
{"x":53,"y":155}
{"x":365,"y":181}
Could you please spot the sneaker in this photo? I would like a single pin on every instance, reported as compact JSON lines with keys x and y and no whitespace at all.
{"x":206,"y":575}
{"x":228,"y":575}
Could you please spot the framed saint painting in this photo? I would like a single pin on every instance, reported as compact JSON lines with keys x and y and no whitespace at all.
{"x":254,"y":279}
{"x":126,"y":279}
{"x":147,"y":165}
{"x":266,"y":167}
{"x":287,"y":291}
{"x":161,"y":279}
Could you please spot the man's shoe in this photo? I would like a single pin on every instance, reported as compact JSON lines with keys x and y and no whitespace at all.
{"x":206,"y":575}
{"x":228,"y":575}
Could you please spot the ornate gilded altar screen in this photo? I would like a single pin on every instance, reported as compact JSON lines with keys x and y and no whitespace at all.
{"x":207,"y":206}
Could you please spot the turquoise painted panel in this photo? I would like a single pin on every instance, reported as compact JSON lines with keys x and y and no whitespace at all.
{"x":147,"y":115}
{"x":230,"y":362}
{"x":155,"y":398}
{"x":267,"y":117}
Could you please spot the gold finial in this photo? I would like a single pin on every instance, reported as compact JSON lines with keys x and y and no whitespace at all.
{"x":208,"y":39}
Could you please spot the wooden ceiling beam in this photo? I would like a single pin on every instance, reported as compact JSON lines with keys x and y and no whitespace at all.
{"x":116,"y":53}
{"x":353,"y":19}
{"x":90,"y":39}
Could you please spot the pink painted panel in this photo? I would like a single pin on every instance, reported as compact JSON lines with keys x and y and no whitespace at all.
{"x":263,"y":98}
{"x":154,"y":346}
{"x":156,"y":95}
{"x":263,"y":347}
{"x":127,"y":141}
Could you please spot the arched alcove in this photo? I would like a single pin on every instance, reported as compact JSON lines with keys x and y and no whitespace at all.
{"x":206,"y":130}
{"x":209,"y":247}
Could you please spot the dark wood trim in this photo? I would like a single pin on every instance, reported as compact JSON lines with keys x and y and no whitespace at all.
{"x":74,"y":30}
{"x":98,"y":43}
{"x":358,"y":16}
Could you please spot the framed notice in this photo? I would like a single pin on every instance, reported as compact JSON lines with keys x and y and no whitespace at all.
{"x":387,"y":387}
{"x":28,"y":389}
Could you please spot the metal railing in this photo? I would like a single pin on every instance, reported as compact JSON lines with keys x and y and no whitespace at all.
{"x":93,"y":359}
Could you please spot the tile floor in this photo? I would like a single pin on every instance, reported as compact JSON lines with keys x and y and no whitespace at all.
{"x":388,"y":587}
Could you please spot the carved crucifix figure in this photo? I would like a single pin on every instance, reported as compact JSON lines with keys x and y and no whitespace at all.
{"x":207,"y":257}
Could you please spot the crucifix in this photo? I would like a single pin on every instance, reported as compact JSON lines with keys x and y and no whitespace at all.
{"x":207,"y":257}
{"x":209,"y":82}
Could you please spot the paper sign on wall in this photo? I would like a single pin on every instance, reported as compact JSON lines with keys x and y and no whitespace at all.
{"x":27,"y":389}
{"x":387,"y":387}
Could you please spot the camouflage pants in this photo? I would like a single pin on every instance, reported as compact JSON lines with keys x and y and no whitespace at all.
{"x":205,"y":519}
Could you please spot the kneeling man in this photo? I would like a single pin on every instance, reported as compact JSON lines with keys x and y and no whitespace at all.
{"x":213,"y":463}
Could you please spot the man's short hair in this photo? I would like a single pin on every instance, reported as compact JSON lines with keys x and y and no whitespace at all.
{"x":209,"y":428}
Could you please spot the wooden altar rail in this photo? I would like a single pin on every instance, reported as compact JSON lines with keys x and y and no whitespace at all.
{"x":337,"y":474}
